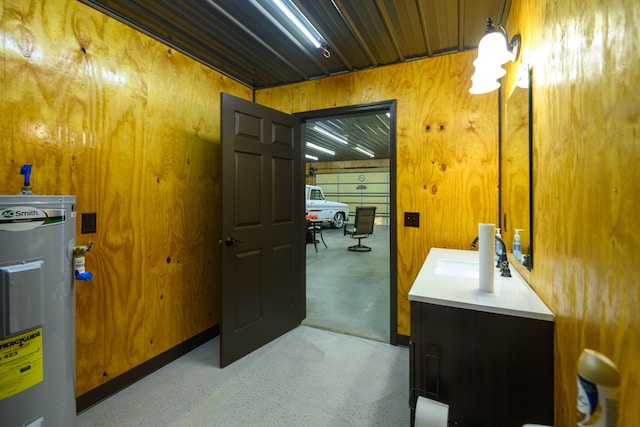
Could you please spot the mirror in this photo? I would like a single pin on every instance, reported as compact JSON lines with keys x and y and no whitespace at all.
{"x":515,"y":169}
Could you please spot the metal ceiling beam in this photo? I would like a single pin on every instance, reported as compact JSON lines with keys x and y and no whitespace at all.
{"x":352,"y":27}
{"x":290,"y":36}
{"x":387,"y":24}
{"x":257,"y":39}
{"x":333,"y":44}
{"x":425,"y":29}
{"x":461,"y":11}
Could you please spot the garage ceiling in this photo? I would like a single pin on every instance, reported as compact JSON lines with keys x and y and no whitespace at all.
{"x":249,"y":41}
{"x":350,"y":137}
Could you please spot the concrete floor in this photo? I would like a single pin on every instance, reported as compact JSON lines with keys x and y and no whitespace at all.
{"x":308,"y":377}
{"x":348,"y":292}
{"x":311,"y":376}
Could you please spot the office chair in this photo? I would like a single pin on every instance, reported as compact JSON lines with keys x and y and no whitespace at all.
{"x":362,"y":227}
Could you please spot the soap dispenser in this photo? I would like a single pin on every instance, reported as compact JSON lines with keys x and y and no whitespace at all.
{"x":498,"y":247}
{"x":517,"y":246}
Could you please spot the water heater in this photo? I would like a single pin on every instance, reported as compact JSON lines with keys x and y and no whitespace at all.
{"x":37,"y":311}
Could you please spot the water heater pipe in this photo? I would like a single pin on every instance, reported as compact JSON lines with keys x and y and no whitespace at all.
{"x":26,"y":186}
{"x":78,"y":262}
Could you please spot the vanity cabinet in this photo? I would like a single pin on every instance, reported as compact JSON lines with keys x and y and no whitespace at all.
{"x":492,"y":369}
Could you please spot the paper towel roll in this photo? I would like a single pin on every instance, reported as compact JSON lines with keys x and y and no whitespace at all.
{"x":486,"y":240}
{"x":430,"y":413}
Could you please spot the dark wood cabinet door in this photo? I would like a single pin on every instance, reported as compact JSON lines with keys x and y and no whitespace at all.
{"x":491,"y":369}
{"x":513,"y":370}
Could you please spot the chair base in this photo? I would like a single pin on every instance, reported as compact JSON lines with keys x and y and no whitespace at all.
{"x":359,"y":248}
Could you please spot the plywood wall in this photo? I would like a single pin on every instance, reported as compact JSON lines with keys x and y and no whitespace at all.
{"x":586,"y":136}
{"x":131,"y":128}
{"x":446,"y":148}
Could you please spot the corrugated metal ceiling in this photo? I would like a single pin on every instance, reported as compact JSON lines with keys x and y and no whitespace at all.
{"x":244,"y":40}
{"x":368,"y":131}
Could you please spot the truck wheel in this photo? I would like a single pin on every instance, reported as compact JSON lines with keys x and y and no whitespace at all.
{"x":338,"y":220}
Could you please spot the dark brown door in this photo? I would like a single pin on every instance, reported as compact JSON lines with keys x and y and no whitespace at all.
{"x":263,"y":241}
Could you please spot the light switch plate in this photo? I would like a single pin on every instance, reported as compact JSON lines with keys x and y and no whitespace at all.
{"x":412,"y":219}
{"x":89,"y":222}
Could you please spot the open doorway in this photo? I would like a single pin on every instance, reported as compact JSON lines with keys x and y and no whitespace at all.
{"x":352,"y":157}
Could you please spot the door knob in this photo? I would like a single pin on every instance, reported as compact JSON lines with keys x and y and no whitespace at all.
{"x":230,"y":241}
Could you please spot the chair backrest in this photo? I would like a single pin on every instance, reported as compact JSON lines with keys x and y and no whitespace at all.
{"x":365,"y":218}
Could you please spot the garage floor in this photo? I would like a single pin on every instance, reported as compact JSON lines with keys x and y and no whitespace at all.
{"x":348,"y":292}
{"x":308,"y":377}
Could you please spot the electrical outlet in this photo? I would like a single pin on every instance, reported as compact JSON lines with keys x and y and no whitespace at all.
{"x":412,"y":219}
{"x":89,"y":222}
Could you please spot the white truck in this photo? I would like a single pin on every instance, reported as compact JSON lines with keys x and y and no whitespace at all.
{"x":335,"y":213}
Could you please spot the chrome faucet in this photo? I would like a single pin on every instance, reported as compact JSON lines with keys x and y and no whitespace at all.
{"x":503,"y":262}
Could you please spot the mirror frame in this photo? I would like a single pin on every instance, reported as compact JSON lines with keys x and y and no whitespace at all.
{"x":503,"y":142}
{"x":530,"y":100}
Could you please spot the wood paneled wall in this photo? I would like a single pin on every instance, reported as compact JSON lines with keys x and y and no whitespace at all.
{"x":586,"y":136}
{"x":132,"y":129}
{"x":446,"y":150}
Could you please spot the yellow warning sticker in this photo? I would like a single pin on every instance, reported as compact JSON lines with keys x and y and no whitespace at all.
{"x":21,"y":365}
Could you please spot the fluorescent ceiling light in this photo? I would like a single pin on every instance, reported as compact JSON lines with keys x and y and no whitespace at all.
{"x":317,"y":147}
{"x":367,"y":152}
{"x":310,"y":157}
{"x":300,"y":21}
{"x":330,"y":135}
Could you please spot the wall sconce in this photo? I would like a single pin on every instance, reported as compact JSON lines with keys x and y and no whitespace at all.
{"x":493,"y":52}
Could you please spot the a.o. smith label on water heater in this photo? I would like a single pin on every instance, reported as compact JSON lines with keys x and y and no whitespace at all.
{"x":22,"y":218}
{"x":21,"y":365}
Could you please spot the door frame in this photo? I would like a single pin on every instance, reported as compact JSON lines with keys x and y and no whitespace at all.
{"x":389,"y":106}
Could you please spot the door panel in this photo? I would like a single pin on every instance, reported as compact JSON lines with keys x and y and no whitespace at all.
{"x":263,"y":274}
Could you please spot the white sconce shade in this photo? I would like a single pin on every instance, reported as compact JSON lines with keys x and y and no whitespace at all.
{"x":484,"y":80}
{"x":493,"y":52}
{"x":493,"y":47}
{"x":487,"y":70}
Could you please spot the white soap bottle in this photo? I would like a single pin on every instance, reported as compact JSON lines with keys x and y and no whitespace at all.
{"x":498,"y":246}
{"x":517,"y":246}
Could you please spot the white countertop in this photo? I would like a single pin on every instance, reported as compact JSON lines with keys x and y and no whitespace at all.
{"x":512,"y":295}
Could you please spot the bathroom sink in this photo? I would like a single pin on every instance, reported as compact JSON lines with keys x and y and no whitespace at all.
{"x":450,"y":277}
{"x":457,"y":267}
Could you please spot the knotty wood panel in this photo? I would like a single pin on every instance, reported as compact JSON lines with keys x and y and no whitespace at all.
{"x":132,"y":129}
{"x":586,"y":81}
{"x":446,"y":150}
